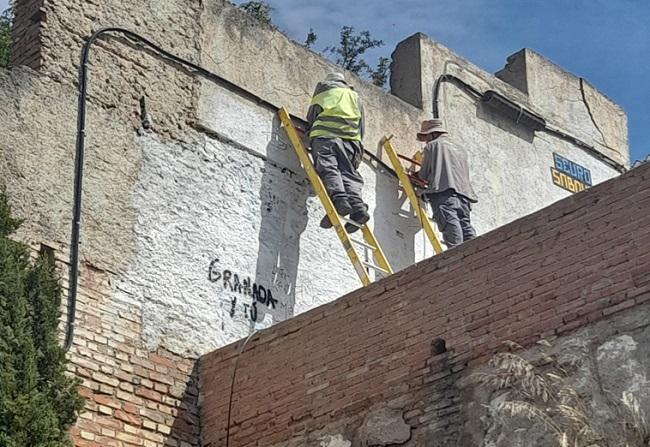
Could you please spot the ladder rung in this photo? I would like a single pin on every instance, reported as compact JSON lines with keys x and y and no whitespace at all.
{"x":374,"y":267}
{"x":351,"y":222}
{"x":417,"y":181}
{"x":363,"y":244}
{"x":415,"y":162}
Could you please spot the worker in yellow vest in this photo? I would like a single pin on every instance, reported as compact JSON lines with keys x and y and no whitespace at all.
{"x":335,"y":128}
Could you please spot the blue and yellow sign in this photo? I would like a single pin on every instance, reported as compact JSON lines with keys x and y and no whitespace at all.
{"x":569,"y":175}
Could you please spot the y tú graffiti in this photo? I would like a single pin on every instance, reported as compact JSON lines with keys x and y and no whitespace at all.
{"x":244,"y":287}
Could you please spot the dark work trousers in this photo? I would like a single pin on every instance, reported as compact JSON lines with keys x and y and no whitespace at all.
{"x":451,"y":213}
{"x":337,"y":161}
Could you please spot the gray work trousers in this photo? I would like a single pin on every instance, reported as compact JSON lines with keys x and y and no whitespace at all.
{"x":451,"y":213}
{"x":337,"y":161}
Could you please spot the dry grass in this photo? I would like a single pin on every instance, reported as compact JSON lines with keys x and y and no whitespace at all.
{"x":543,"y":398}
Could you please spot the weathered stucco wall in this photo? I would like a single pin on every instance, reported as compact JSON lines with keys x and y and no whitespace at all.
{"x":510,"y":163}
{"x":37,"y":147}
{"x":570,"y":101}
{"x":120,"y":71}
{"x":567,"y":102}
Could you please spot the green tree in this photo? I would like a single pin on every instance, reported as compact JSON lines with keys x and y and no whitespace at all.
{"x":352,"y":46}
{"x":311,"y":38}
{"x":38,"y":401}
{"x":349,"y":55}
{"x":379,"y":75}
{"x":5,"y":37}
{"x":260,"y":10}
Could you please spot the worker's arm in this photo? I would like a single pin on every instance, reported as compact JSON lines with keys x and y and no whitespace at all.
{"x":312,"y":114}
{"x":425,"y":169}
{"x":314,"y":110}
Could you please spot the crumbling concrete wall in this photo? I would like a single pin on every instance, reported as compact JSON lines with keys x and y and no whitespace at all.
{"x":598,"y":363}
{"x":120,"y":72}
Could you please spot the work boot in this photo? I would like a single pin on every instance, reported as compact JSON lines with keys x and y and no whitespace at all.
{"x":342,"y":207}
{"x":360,"y":217}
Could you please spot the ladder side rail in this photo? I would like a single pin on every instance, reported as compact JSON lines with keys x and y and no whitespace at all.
{"x":380,"y":257}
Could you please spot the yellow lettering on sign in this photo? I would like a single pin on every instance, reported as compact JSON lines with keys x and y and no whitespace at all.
{"x":557,"y":179}
{"x":566,"y":182}
{"x":569,"y":183}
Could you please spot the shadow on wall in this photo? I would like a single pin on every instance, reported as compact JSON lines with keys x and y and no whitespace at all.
{"x":395,"y":225}
{"x":186,"y":426}
{"x":494,"y":118}
{"x":283,"y":212}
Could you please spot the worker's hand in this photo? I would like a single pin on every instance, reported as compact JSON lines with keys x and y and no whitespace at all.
{"x":415,"y":168}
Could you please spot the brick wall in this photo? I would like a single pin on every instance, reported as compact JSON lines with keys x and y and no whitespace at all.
{"x":26,"y":33}
{"x":134,"y":397}
{"x":576,"y":262}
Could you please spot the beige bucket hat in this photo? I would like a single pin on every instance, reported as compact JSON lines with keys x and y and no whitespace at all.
{"x":431,"y":126}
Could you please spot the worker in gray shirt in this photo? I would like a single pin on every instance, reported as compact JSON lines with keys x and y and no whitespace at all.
{"x":449,"y":191}
{"x":335,"y":128}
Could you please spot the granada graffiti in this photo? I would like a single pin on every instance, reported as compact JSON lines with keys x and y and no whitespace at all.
{"x":245,"y":295}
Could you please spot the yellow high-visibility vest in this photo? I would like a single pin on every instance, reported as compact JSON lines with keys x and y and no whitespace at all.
{"x":341,"y":115}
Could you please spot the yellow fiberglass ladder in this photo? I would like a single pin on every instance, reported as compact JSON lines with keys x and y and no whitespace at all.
{"x":407,"y":182}
{"x":382,"y":267}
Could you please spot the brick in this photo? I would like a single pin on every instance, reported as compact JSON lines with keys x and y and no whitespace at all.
{"x":88,"y":436}
{"x":108,"y":433}
{"x":164,"y":429}
{"x":152,"y":415}
{"x":107,"y":401}
{"x":128,"y":398}
{"x":618,"y":307}
{"x":131,"y":439}
{"x":109,"y":422}
{"x":130,"y":408}
{"x":102,"y":378}
{"x":129,"y":418}
{"x":108,"y":441}
{"x":105,"y":410}
{"x":148,"y":394}
{"x":105,"y":389}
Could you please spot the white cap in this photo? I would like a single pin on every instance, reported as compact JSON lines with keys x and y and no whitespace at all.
{"x":334,"y":76}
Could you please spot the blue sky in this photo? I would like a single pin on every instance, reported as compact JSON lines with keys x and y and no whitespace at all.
{"x":605,"y":41}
